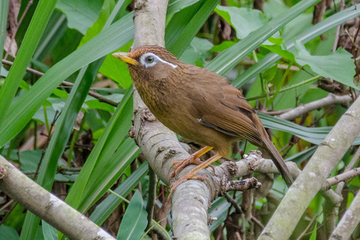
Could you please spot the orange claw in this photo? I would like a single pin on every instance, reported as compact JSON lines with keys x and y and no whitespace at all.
{"x":192,"y":172}
{"x":192,"y":159}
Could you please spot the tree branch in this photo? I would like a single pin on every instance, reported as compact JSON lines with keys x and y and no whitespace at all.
{"x":47,"y":206}
{"x":349,"y":221}
{"x":305,"y":108}
{"x":313,"y":177}
{"x":342,"y":177}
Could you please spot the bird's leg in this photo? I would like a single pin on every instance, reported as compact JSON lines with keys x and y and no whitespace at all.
{"x":192,"y":159}
{"x":190,"y":174}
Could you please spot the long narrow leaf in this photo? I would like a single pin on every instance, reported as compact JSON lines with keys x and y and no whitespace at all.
{"x":225,"y":61}
{"x":304,"y":37}
{"x":193,"y":27}
{"x":33,"y":34}
{"x":75,"y":195}
{"x":312,"y":135}
{"x":178,"y":23}
{"x":106,"y":207}
{"x":135,"y":219}
{"x":107,"y":172}
{"x":107,"y":41}
{"x":177,"y":5}
{"x":4,"y":9}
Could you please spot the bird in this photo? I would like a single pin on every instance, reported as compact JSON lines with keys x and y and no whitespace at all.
{"x":197,"y":104}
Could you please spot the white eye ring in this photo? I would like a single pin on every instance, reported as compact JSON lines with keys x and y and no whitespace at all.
{"x":149,"y":60}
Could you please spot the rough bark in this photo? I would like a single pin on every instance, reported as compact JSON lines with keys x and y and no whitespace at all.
{"x":313,"y":177}
{"x":46,"y":205}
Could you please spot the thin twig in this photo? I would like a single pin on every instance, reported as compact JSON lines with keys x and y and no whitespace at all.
{"x":6,"y":205}
{"x":342,"y":177}
{"x":351,"y":164}
{"x":326,"y":101}
{"x":308,"y":226}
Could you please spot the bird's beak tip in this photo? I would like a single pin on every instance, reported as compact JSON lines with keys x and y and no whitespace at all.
{"x":123,"y":56}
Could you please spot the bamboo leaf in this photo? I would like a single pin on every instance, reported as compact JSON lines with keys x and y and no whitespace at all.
{"x":177,"y":5}
{"x":190,"y":30}
{"x":312,"y":135}
{"x":304,"y":37}
{"x":109,"y":204}
{"x":225,"y":61}
{"x":4,"y":8}
{"x":134,"y":221}
{"x":22,"y":110}
{"x":33,"y":34}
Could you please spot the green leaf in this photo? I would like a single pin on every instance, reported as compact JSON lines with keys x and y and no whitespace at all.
{"x":96,"y":104}
{"x":281,"y":51}
{"x":3,"y":73}
{"x":177,"y":5}
{"x":269,"y":74}
{"x":4,"y":9}
{"x":22,"y":110}
{"x":223,"y":46}
{"x":302,"y":156}
{"x":98,"y":25}
{"x":106,"y":172}
{"x":117,"y":70}
{"x":244,"y":20}
{"x":300,"y":24}
{"x":37,"y":25}
{"x":8,"y":232}
{"x":135,"y":219}
{"x":197,"y":51}
{"x":81,"y":14}
{"x":338,"y":65}
{"x":63,"y":130}
{"x":228,"y":59}
{"x":304,"y":37}
{"x":274,"y":8}
{"x":40,"y":114}
{"x":110,"y":203}
{"x":193,"y":26}
{"x":49,"y":231}
{"x":29,"y":160}
{"x":110,"y":140}
{"x":53,"y":32}
{"x":312,"y":135}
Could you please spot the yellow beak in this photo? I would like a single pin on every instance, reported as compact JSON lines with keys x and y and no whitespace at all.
{"x":123,"y":56}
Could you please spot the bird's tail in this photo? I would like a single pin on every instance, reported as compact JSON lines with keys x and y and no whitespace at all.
{"x":279,"y":162}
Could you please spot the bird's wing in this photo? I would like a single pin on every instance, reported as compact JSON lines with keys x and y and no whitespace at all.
{"x":222,"y":107}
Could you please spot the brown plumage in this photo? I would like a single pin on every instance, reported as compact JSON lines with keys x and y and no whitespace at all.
{"x":197,"y":104}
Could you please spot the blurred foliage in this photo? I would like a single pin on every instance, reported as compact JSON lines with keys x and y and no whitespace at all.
{"x":77,"y":145}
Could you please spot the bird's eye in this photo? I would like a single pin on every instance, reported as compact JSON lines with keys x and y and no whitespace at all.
{"x":149,"y":59}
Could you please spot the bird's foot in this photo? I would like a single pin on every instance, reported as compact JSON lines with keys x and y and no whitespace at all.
{"x":192,"y":172}
{"x":180,"y":165}
{"x":192,"y":159}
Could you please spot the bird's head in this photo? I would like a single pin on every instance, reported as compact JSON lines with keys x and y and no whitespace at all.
{"x":149,"y":62}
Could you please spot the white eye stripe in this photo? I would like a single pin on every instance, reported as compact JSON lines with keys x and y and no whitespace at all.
{"x":156,"y":60}
{"x":172,"y":65}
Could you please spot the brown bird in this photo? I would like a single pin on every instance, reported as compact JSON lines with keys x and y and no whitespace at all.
{"x":197,"y":104}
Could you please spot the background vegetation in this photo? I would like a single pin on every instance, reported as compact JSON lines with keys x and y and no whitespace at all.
{"x":66,"y":103}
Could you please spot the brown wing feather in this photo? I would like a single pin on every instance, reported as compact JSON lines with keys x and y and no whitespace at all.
{"x":234,"y":117}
